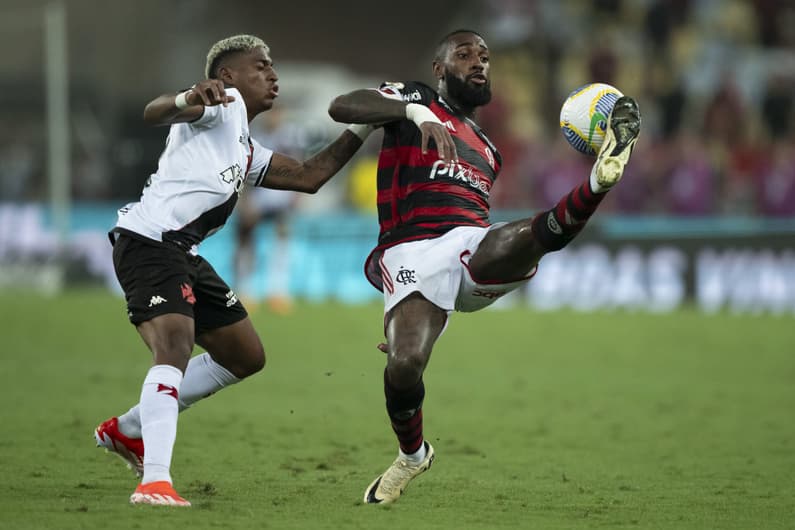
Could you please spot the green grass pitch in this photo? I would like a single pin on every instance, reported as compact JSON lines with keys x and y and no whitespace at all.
{"x":539,"y":420}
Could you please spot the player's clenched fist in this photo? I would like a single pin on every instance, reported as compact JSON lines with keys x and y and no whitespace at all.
{"x":209,"y":92}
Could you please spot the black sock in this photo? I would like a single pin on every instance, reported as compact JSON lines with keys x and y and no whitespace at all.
{"x":404,"y":407}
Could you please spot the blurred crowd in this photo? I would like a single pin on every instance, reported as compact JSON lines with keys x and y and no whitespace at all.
{"x":715,"y":80}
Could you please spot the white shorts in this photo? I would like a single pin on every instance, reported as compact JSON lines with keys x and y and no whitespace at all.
{"x":439,"y":269}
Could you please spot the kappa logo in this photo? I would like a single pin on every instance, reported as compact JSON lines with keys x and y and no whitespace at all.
{"x":553,"y":225}
{"x":167,"y":389}
{"x":156,"y":300}
{"x":187,"y":293}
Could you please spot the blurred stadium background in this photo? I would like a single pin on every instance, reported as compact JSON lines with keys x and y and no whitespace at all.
{"x":705,"y":215}
{"x":668,"y":405}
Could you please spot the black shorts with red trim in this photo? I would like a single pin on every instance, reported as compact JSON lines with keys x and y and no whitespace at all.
{"x":161,"y":278}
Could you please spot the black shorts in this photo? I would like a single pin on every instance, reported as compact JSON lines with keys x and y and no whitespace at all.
{"x":159,"y":278}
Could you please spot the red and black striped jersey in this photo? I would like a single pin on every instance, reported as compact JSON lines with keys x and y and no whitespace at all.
{"x":419,"y":197}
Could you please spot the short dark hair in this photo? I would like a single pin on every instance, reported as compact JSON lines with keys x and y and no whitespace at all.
{"x":441,"y":47}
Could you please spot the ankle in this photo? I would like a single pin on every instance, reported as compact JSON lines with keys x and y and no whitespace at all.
{"x":417,"y":456}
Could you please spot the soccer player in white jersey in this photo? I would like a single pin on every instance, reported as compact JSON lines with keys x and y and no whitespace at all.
{"x":174,"y":297}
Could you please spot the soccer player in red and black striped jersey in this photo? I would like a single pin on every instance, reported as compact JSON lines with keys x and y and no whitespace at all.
{"x":437,"y":251}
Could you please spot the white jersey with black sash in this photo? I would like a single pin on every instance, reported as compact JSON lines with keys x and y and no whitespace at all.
{"x":202,"y":171}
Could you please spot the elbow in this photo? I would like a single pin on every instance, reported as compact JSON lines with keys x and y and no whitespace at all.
{"x":311,"y":180}
{"x":311,"y":189}
{"x":339,"y":109}
{"x":310,"y":183}
{"x":150,"y":117}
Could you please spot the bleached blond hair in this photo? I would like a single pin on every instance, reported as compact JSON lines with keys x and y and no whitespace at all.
{"x":236,"y":43}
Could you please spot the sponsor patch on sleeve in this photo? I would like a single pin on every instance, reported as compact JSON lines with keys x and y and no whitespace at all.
{"x":392,"y":90}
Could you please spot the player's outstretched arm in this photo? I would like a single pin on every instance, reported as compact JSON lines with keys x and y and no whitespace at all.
{"x":370,"y":107}
{"x":286,"y":173}
{"x":188,"y":105}
{"x":366,"y":106}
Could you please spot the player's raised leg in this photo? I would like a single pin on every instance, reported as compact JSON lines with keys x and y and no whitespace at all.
{"x":555,"y":228}
{"x":510,"y":252}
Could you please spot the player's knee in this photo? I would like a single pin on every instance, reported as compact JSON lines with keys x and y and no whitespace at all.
{"x":405,"y":370}
{"x":172,"y":350}
{"x":258,"y":363}
{"x":516,"y":241}
{"x":508,"y":252}
{"x":252,"y":362}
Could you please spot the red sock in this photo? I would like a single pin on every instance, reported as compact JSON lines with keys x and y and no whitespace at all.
{"x":554,"y":228}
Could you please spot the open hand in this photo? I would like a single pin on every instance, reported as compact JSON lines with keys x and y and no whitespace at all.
{"x":444,"y":142}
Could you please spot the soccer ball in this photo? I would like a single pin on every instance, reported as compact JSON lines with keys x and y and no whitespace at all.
{"x":583,"y":116}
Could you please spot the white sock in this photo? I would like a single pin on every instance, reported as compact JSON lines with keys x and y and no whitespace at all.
{"x":417,"y":457}
{"x":159,"y":410}
{"x":203,"y":377}
{"x":130,"y":422}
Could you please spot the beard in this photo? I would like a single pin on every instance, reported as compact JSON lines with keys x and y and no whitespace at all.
{"x":466,"y":94}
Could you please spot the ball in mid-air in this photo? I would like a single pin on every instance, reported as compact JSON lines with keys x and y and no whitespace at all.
{"x":583,"y":116}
